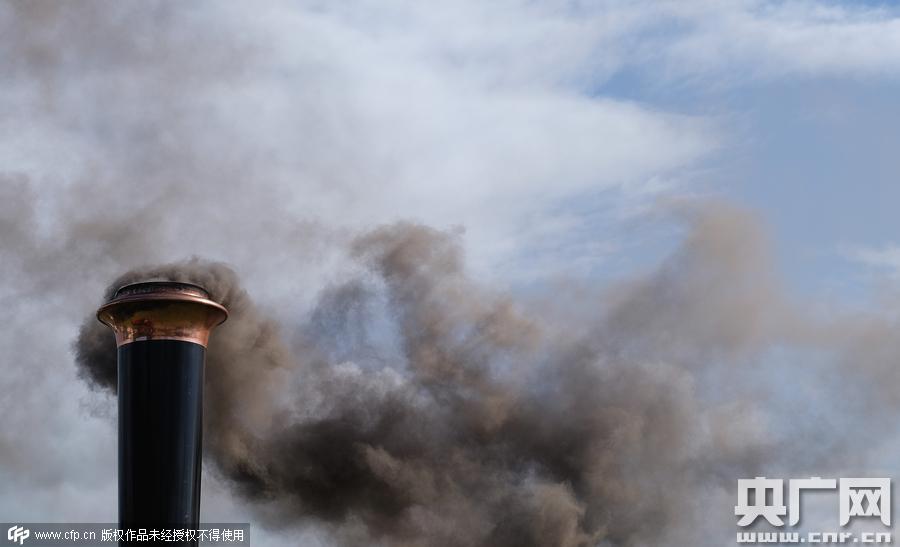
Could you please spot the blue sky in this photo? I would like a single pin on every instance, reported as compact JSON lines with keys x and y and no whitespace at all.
{"x":810,"y":149}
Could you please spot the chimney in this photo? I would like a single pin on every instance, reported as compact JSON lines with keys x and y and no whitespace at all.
{"x":161,"y":329}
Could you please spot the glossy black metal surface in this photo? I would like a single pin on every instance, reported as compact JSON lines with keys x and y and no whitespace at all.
{"x":160,"y":430}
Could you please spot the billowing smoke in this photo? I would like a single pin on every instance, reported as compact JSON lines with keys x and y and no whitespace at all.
{"x":415,"y":406}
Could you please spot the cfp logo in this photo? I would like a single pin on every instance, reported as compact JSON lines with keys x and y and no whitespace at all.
{"x":17,"y":534}
{"x":858,"y":498}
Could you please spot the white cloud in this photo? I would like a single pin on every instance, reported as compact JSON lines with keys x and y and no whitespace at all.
{"x":756,"y":39}
{"x":885,"y":258}
{"x":478,"y":114}
{"x":469,"y":114}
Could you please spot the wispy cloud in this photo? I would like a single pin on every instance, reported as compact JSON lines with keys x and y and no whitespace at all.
{"x":885,"y":258}
{"x":731,"y":42}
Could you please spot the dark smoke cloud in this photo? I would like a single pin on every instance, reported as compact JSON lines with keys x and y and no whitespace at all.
{"x":450,"y":414}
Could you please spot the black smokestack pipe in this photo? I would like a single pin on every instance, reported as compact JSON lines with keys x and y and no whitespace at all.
{"x":161,"y":329}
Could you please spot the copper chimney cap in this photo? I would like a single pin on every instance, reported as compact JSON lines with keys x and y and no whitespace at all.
{"x":162,"y":310}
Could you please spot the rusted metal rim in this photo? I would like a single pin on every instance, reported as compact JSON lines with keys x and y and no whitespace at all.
{"x":162,"y":310}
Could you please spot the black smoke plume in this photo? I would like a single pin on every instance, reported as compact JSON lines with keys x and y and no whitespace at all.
{"x":414,"y":406}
